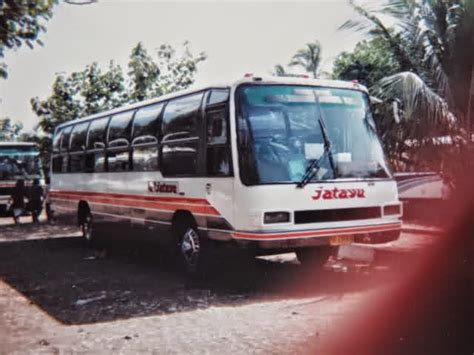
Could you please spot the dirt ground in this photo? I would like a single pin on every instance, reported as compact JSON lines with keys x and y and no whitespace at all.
{"x":59,"y":296}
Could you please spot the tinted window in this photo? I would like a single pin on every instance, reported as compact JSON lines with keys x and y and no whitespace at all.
{"x":57,"y":164}
{"x":119,"y":129}
{"x":78,"y":137}
{"x":218,"y":155}
{"x":118,"y":160}
{"x":76,"y":162}
{"x":145,"y":158}
{"x":218,"y":96}
{"x":95,"y":162}
{"x":180,"y":117}
{"x":217,"y":126}
{"x":145,"y":122}
{"x":57,"y":140}
{"x":65,"y":139}
{"x":65,"y":164}
{"x":96,"y":138}
{"x":180,"y":159}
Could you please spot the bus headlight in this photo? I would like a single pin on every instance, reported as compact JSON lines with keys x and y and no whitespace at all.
{"x":276,"y":217}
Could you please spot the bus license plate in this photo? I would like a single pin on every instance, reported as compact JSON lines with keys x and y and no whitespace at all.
{"x":341,"y":239}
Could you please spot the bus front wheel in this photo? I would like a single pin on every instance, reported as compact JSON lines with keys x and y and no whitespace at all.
{"x":192,"y":249}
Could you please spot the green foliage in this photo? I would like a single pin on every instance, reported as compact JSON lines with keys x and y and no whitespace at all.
{"x":309,"y":58}
{"x":368,"y":63}
{"x":62,"y":105}
{"x":9,"y":130}
{"x":432,"y":43}
{"x":279,"y":70}
{"x":143,"y":73}
{"x":94,"y":89}
{"x":177,"y":70}
{"x":100,"y":90}
{"x":21,"y":22}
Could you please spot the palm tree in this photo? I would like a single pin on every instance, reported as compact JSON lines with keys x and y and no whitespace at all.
{"x":279,"y":70}
{"x":308,"y":58}
{"x":432,"y":41}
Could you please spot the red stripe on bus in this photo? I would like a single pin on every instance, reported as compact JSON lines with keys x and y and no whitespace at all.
{"x":317,"y":232}
{"x":191,"y":200}
{"x":150,"y":202}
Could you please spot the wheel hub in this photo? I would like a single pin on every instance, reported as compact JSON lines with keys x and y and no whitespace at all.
{"x":86,"y":228}
{"x":190,"y":247}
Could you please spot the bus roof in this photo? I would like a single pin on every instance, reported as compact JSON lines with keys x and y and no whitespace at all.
{"x":337,"y":84}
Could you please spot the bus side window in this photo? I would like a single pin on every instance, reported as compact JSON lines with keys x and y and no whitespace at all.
{"x":64,"y":148}
{"x":145,"y":142}
{"x":78,"y":146}
{"x":95,"y":155}
{"x":179,"y":145}
{"x":118,"y":142}
{"x":218,"y":154}
{"x":57,"y":159}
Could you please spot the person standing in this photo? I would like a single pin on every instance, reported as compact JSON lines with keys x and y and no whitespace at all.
{"x":36,"y":200}
{"x":47,"y":199}
{"x":17,"y":199}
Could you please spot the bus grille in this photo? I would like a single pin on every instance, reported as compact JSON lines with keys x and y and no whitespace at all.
{"x":336,"y":215}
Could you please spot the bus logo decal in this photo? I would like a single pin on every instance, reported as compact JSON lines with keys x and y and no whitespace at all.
{"x":335,"y":193}
{"x":163,"y":187}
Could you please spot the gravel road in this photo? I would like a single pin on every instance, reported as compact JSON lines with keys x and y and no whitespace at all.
{"x":59,"y":296}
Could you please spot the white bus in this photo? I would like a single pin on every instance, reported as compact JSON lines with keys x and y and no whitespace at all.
{"x":268,"y":164}
{"x":18,"y":161}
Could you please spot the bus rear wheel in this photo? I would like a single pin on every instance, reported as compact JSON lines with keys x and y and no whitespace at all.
{"x":315,"y":257}
{"x":85,"y":224}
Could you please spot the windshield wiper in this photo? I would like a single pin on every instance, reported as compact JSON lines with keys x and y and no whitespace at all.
{"x":314,"y":165}
{"x":327,"y":145}
{"x":310,"y":172}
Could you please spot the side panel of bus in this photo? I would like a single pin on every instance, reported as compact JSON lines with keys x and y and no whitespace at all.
{"x":138,"y":168}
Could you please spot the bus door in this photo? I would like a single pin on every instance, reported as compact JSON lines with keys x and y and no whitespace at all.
{"x":218,"y":168}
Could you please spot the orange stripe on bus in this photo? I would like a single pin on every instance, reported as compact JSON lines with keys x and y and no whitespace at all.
{"x":190,"y":200}
{"x":317,"y":233}
{"x":130,"y":201}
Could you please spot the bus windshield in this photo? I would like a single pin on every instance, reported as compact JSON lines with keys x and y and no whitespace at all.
{"x":19,"y":161}
{"x":289,"y":133}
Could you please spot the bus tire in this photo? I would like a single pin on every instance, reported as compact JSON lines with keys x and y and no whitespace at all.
{"x":315,"y":257}
{"x":86,"y":224}
{"x":192,"y":249}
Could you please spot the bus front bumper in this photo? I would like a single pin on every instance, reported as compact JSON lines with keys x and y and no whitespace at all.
{"x":369,"y":234}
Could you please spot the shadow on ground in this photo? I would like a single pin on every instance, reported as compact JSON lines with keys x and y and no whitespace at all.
{"x":77,"y":285}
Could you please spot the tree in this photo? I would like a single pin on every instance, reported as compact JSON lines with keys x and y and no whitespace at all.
{"x":9,"y":130}
{"x":433,"y":39}
{"x":431,"y":42}
{"x":94,"y":90}
{"x":177,"y":70}
{"x":100,"y":90}
{"x":143,"y":73}
{"x":279,"y":70}
{"x":369,"y":62}
{"x":22,"y":22}
{"x":308,"y":58}
{"x":62,"y":105}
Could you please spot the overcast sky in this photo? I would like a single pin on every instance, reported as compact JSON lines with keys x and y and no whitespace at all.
{"x":238,"y":37}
